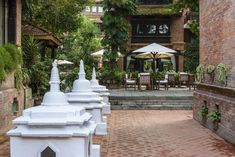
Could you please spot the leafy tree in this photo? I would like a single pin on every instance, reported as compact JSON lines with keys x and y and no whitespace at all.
{"x":191,"y":56}
{"x":79,"y":45}
{"x":193,"y":7}
{"x":56,"y":15}
{"x":116,"y":26}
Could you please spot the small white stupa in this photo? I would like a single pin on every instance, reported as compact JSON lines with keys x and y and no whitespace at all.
{"x":102,"y":90}
{"x":53,"y":129}
{"x":82,"y":95}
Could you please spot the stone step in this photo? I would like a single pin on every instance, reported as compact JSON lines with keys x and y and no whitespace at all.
{"x":152,"y":102}
{"x":3,"y":138}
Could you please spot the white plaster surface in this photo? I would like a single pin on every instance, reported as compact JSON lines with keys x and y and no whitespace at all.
{"x":66,"y":129}
{"x":82,"y":95}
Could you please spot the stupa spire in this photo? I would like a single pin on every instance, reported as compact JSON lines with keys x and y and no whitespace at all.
{"x":82,"y":74}
{"x":93,"y":74}
{"x":55,"y":79}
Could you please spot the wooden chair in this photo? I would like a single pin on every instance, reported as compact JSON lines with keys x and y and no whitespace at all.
{"x":184,"y":79}
{"x":162,"y":82}
{"x":130,"y":82}
{"x":145,"y":79}
{"x":192,"y":82}
{"x":171,"y":80}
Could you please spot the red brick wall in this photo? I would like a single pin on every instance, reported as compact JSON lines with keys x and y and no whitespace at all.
{"x":18,"y":22}
{"x":217,"y":34}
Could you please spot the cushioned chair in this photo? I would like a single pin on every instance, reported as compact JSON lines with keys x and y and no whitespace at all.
{"x":145,"y":79}
{"x":130,"y":82}
{"x":162,"y":82}
{"x":184,"y":79}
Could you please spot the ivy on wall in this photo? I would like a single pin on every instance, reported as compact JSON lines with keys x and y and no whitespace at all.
{"x":10,"y":60}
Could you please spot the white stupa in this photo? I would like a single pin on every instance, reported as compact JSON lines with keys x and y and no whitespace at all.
{"x":53,"y":129}
{"x":82,"y":95}
{"x":102,"y":90}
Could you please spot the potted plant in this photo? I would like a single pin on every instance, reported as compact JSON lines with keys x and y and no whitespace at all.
{"x":221,"y":71}
{"x":203,"y":112}
{"x":200,"y":72}
{"x":214,"y":116}
{"x":210,"y":70}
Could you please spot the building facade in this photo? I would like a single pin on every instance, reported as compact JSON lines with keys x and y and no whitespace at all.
{"x":12,"y":101}
{"x":217,"y":38}
{"x":10,"y":21}
{"x":153,"y":23}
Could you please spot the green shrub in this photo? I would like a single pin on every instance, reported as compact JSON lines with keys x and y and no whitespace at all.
{"x":210,"y":69}
{"x":221,"y":71}
{"x":203,"y":111}
{"x":214,"y":116}
{"x":200,"y":72}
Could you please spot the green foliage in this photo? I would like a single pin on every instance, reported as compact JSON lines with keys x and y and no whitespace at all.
{"x":143,"y":10}
{"x":10,"y":60}
{"x":200,"y":72}
{"x":56,"y":15}
{"x":210,"y":69}
{"x":193,"y":6}
{"x":221,"y":71}
{"x":79,"y":45}
{"x":116,"y":26}
{"x":203,"y":111}
{"x":30,"y":49}
{"x":214,"y":116}
{"x":191,"y":56}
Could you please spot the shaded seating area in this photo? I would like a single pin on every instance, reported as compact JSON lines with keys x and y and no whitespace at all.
{"x":130,"y":82}
{"x":146,"y":80}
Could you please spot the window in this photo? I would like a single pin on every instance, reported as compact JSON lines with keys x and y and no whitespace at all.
{"x":147,"y":30}
{"x":100,"y":9}
{"x":48,"y":152}
{"x":154,"y":2}
{"x":15,"y":106}
{"x":88,"y":9}
{"x":94,"y":9}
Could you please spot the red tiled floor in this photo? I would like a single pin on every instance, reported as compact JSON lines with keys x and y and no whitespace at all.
{"x":156,"y":133}
{"x":159,"y":133}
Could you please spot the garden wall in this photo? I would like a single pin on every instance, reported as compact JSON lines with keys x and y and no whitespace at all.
{"x":12,"y":102}
{"x":217,"y":38}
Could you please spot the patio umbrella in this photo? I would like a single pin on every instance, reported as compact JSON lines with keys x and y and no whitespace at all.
{"x":101,"y":52}
{"x":153,"y":51}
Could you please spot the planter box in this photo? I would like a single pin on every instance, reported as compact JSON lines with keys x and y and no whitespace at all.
{"x":216,"y":98}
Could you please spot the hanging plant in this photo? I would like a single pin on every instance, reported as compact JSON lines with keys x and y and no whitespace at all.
{"x":214,"y":116}
{"x":200,"y":72}
{"x":203,"y":111}
{"x":210,"y":69}
{"x":221,"y":71}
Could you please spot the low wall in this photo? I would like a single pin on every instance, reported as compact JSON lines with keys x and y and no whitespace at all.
{"x":216,"y":98}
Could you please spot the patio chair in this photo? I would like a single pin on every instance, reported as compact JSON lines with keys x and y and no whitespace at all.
{"x":145,"y":79}
{"x":184,"y":79}
{"x":171,"y":80}
{"x":192,"y":82}
{"x":130,"y":82}
{"x":162,"y":82}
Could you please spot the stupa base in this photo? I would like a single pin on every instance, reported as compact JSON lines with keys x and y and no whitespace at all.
{"x":95,"y":152}
{"x":106,"y":109}
{"x":101,"y":129}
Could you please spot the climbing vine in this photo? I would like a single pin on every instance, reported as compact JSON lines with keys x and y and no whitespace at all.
{"x":10,"y":60}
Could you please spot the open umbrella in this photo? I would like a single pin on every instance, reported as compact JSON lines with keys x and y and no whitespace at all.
{"x":101,"y":52}
{"x":153,"y":51}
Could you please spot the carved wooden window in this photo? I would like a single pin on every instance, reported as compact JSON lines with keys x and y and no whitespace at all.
{"x":48,"y":152}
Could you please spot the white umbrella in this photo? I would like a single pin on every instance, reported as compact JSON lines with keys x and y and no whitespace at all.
{"x":101,"y":52}
{"x":61,"y":62}
{"x":153,"y":51}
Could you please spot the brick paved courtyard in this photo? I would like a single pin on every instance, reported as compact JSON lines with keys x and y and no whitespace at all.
{"x":156,"y":133}
{"x":160,"y":133}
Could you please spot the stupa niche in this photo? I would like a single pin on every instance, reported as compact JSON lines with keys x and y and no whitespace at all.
{"x":82,"y":95}
{"x":54,"y":128}
{"x":103,"y":92}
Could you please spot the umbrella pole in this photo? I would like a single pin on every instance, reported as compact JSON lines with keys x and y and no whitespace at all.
{"x":154,"y":61}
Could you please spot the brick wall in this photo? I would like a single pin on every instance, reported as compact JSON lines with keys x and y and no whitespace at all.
{"x":217,"y":38}
{"x":18,"y":22}
{"x":224,"y":99}
{"x":217,"y":35}
{"x":7,"y":95}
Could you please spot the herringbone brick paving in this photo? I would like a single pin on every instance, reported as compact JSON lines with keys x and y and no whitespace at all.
{"x":156,"y":133}
{"x":160,"y":133}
